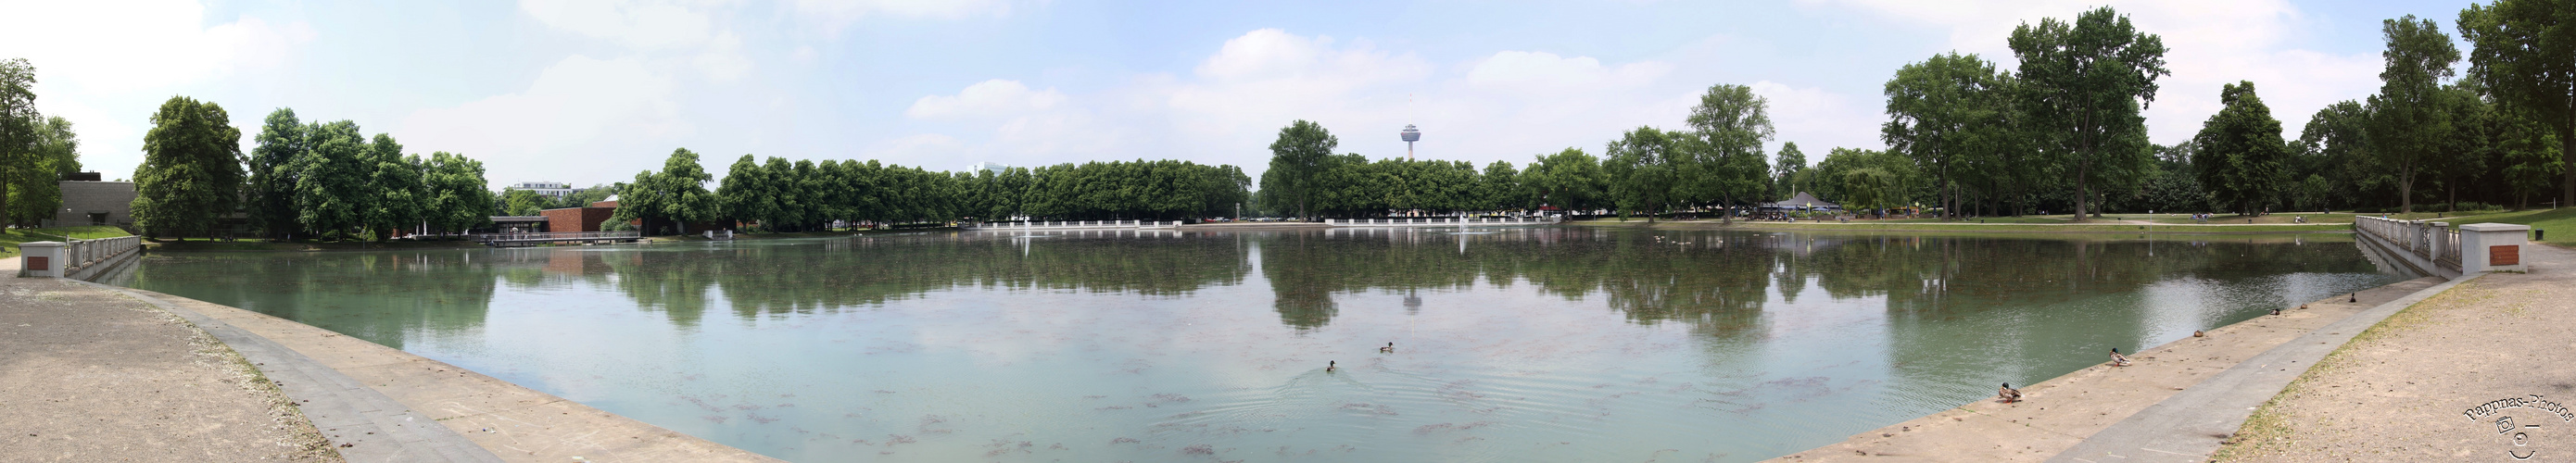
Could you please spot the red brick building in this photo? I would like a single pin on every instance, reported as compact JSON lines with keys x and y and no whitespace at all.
{"x":579,"y":219}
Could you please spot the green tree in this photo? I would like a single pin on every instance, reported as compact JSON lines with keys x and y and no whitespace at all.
{"x":2241,"y":158}
{"x":1298,"y":162}
{"x":22,"y":167}
{"x":1643,"y":174}
{"x":1946,"y":113}
{"x":456,"y":200}
{"x":1724,"y":161}
{"x":1869,"y":189}
{"x":191,"y":173}
{"x":1570,"y":180}
{"x":2525,"y":53}
{"x":521,"y":202}
{"x":677,"y":194}
{"x":394,"y":190}
{"x":331,"y":190}
{"x":2409,"y":119}
{"x":282,"y":139}
{"x":1784,"y":172}
{"x":1500,"y":188}
{"x":2084,"y":85}
{"x":2336,"y":145}
{"x":746,"y":194}
{"x":36,"y":195}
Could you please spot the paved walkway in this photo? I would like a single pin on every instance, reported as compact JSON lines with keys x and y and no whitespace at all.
{"x":513,"y":422}
{"x":2418,"y":387}
{"x":2061,"y":413}
{"x":89,"y":375}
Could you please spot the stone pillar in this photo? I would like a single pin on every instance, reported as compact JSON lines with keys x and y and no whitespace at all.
{"x":41,"y":259}
{"x":2492,"y":247}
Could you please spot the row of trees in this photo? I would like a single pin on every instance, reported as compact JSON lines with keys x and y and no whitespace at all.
{"x":809,"y":195}
{"x":35,"y":150}
{"x":304,"y":179}
{"x":2063,"y":131}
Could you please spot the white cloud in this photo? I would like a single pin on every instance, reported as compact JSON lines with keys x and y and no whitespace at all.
{"x":103,"y":65}
{"x":641,"y":24}
{"x":582,"y":115}
{"x":1821,"y":119}
{"x":2209,"y":43}
{"x":830,"y":16}
{"x":991,"y":98}
{"x":1528,"y":70}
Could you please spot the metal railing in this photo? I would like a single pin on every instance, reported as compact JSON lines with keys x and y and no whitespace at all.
{"x":1077,"y":224}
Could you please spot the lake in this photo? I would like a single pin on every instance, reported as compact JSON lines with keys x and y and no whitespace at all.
{"x":1511,"y":344}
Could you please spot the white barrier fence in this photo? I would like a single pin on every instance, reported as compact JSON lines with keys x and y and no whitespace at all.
{"x":1439,"y":221}
{"x":1078,"y":224}
{"x":2454,"y":251}
{"x":58,"y":259}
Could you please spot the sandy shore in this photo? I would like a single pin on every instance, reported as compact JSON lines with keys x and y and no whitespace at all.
{"x":2425,"y":385}
{"x":2056,"y":414}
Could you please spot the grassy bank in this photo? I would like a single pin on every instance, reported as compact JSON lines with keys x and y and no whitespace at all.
{"x":10,"y":238}
{"x":2559,"y":225}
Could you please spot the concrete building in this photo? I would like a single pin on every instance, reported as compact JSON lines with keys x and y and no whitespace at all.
{"x":92,"y":202}
{"x":996,"y":169}
{"x":548,"y":189}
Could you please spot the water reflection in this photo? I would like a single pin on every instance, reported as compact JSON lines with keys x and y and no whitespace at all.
{"x":937,"y":345}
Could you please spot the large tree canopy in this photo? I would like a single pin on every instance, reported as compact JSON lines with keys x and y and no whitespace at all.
{"x":2084,"y":84}
{"x":1299,"y":160}
{"x":2526,"y":55}
{"x":191,"y":173}
{"x":1721,"y":160}
{"x":1947,"y":113}
{"x":2409,"y":119}
{"x":2241,"y":157}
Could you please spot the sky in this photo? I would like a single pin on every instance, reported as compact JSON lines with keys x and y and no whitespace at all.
{"x":593,"y":91}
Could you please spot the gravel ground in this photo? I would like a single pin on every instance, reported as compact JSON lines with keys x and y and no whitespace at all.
{"x":2418,"y":387}
{"x":89,"y":375}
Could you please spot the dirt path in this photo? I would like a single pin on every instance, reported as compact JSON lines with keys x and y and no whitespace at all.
{"x":2056,"y":414}
{"x":2418,"y":386}
{"x":88,"y":375}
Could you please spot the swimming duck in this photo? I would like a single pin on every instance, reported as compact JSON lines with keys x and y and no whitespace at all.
{"x":2007,"y":394}
{"x":1330,"y":365}
{"x":2118,"y":360}
{"x":1389,"y":349}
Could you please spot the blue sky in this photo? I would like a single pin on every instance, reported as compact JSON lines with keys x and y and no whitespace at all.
{"x":594,"y":91}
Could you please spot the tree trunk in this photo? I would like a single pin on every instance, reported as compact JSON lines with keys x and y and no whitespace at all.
{"x":2082,"y":195}
{"x":2405,"y":191}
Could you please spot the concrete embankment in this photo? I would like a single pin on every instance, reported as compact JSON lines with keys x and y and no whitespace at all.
{"x":390,"y":390}
{"x":2476,"y":374}
{"x":2064,"y":412}
{"x":90,"y":375}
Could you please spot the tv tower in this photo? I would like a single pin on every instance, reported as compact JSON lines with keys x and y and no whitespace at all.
{"x":1410,"y":135}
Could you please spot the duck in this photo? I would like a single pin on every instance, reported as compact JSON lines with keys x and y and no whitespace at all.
{"x":2007,"y":394}
{"x":1330,"y":365}
{"x":2354,"y":298}
{"x":2277,"y":310}
{"x":1389,"y":349}
{"x":2303,"y":307}
{"x":2198,"y":334}
{"x":2118,"y":360}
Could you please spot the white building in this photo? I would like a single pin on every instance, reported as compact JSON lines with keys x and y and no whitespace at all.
{"x":987,"y":166}
{"x":552,"y":189}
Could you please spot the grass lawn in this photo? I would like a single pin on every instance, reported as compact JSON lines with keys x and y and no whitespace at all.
{"x":2559,"y":225}
{"x":10,"y":238}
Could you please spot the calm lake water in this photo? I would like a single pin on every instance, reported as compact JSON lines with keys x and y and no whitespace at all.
{"x":1512,"y":344}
